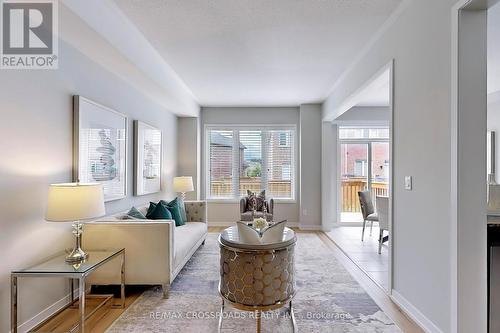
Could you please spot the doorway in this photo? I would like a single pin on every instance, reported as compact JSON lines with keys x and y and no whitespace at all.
{"x":364,"y":164}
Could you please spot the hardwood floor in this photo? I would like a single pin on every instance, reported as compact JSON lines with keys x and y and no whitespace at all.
{"x":99,"y":322}
{"x":374,"y":290}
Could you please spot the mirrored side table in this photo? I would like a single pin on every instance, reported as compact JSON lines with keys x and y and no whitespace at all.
{"x":57,"y":267}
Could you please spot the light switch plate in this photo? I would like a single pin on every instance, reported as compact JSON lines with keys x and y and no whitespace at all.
{"x":408,"y":183}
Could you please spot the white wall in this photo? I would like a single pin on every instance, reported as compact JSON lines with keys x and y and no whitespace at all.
{"x":229,"y":212}
{"x":310,"y":166}
{"x":188,"y":152}
{"x":36,"y":146}
{"x":329,"y":179}
{"x":420,"y":42}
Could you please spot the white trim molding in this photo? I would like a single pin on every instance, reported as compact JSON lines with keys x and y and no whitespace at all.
{"x":45,"y":313}
{"x":425,"y":323}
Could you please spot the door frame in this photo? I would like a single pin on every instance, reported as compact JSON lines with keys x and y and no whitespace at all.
{"x":468,"y":115}
{"x":346,"y":105}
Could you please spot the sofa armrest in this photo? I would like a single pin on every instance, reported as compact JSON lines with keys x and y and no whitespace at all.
{"x":196,"y":211}
{"x":149,"y":250}
{"x":270,"y":206}
{"x":243,"y":205}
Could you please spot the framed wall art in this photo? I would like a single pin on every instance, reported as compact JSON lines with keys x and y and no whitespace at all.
{"x":100,"y":147}
{"x":148,"y":158}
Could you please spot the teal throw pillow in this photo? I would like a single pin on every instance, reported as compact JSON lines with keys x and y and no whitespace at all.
{"x":160,"y":212}
{"x":152,"y":207}
{"x":174,"y":208}
{"x":182,"y":207}
{"x":134,"y":213}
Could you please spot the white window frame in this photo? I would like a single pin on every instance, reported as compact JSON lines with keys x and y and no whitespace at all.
{"x":236,"y":128}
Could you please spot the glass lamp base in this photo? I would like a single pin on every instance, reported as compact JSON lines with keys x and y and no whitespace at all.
{"x":77,"y":255}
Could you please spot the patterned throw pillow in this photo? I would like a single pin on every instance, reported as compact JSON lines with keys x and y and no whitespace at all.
{"x":256,"y":202}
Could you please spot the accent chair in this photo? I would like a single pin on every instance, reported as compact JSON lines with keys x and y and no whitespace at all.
{"x":369,"y":214}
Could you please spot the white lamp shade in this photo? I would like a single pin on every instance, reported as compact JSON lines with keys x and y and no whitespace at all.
{"x":183,"y":184}
{"x":75,"y":202}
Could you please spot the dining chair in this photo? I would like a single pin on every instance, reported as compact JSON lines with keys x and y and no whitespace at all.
{"x":369,"y":214}
{"x":383,"y":219}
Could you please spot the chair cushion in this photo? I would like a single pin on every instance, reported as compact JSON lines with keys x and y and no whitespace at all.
{"x":185,"y":238}
{"x":372,"y":217}
{"x":247,"y":216}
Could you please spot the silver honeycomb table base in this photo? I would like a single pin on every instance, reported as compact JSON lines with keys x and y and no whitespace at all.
{"x":258,"y":315}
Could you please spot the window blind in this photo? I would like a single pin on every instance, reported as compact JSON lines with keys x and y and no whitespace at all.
{"x":251,"y":158}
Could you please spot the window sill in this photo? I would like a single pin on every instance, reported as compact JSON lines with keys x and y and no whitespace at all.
{"x":232,"y":201}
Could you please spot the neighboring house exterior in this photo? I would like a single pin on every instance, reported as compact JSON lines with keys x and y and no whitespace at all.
{"x":279,"y":156}
{"x":355,"y":164}
{"x":221,"y":150}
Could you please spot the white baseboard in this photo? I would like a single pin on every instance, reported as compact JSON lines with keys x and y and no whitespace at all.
{"x":49,"y":311}
{"x":425,"y":323}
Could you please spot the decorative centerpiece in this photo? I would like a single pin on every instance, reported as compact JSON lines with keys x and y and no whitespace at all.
{"x":260,"y":223}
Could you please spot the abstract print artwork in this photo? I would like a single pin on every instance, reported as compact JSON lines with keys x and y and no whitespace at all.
{"x":148,"y":152}
{"x":100,"y":147}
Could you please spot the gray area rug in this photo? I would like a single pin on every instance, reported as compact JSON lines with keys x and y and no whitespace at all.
{"x":328,"y":299}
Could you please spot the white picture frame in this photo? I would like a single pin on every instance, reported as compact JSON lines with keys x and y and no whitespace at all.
{"x":148,"y":151}
{"x":100,"y":147}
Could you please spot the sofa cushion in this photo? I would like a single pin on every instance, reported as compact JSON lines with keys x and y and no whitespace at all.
{"x":186,"y":237}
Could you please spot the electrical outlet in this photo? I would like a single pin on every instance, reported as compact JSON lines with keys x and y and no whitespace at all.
{"x":408,"y":183}
{"x":304,"y":212}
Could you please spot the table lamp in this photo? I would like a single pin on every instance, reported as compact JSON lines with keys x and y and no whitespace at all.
{"x":183,"y":184}
{"x":75,"y":202}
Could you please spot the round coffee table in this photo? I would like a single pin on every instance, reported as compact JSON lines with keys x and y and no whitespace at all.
{"x":257,"y":277}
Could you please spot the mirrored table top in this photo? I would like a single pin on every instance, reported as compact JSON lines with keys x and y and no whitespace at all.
{"x":230,"y":237}
{"x":57,"y":264}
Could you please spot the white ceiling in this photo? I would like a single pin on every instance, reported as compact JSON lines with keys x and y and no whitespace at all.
{"x":258,"y":52}
{"x":494,"y":49}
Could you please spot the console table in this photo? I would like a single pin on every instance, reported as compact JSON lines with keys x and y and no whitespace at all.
{"x":57,"y":267}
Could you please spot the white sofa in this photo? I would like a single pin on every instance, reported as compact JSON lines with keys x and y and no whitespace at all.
{"x":155,"y":250}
